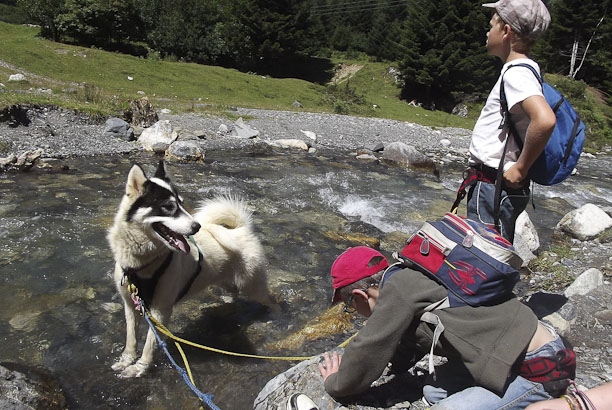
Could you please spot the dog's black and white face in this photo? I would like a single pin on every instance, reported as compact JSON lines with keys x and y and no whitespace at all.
{"x":158,"y":208}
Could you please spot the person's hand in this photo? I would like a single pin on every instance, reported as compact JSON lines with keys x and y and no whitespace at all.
{"x":514,"y":177}
{"x":331,"y":365}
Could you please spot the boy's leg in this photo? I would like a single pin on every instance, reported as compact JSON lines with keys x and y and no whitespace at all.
{"x":480,"y":206}
{"x":448,"y":379}
{"x":519,"y":395}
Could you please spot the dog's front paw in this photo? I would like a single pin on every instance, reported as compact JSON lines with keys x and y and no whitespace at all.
{"x":135,"y":370}
{"x":124,"y":361}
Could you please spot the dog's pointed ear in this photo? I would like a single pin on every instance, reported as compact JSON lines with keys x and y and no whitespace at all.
{"x":135,"y":181}
{"x":160,"y":172}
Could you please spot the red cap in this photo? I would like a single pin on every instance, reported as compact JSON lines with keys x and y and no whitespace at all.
{"x":352,"y":266}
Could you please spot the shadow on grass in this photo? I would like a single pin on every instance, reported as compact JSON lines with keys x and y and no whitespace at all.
{"x":313,"y":69}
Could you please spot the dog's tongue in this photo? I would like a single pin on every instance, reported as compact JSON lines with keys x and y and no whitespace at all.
{"x":182,"y":244}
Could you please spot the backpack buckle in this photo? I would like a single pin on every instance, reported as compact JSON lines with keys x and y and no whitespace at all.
{"x":468,"y":240}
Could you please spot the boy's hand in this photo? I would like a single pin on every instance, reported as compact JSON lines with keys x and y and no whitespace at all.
{"x":331,"y":365}
{"x":514,"y":177}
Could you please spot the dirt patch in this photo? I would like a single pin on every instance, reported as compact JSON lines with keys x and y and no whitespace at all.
{"x":345,"y":71}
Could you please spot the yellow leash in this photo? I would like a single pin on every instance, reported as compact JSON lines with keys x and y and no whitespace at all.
{"x":164,"y":330}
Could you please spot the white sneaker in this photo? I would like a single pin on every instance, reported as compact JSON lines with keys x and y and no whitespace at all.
{"x":300,"y":401}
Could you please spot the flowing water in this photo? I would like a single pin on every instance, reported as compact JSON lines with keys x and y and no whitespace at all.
{"x":60,"y":310}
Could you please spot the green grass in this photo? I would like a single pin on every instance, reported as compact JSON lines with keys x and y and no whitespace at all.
{"x":103,"y":87}
{"x":556,"y":275}
{"x":183,"y":86}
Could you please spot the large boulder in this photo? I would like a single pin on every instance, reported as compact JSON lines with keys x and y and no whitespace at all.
{"x":116,"y":127}
{"x":242,"y":130}
{"x":584,"y":223}
{"x":587,"y":282}
{"x":185,"y":151}
{"x":27,"y":388}
{"x":407,"y":155}
{"x":390,"y":391}
{"x":526,"y":239}
{"x":159,"y":135}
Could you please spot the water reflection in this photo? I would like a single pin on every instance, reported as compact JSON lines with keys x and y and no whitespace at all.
{"x":60,"y":310}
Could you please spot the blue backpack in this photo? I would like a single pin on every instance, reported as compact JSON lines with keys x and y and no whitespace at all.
{"x":473,"y":262}
{"x":563,"y":149}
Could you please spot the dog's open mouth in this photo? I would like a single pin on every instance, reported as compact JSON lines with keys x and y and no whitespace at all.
{"x":172,"y":238}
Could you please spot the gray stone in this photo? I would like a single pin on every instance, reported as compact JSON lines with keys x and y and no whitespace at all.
{"x":185,"y":151}
{"x":289,"y":143}
{"x":17,"y":77}
{"x":116,"y":127}
{"x":585,"y":223}
{"x":460,"y":110}
{"x":24,"y":388}
{"x":297,"y":104}
{"x":588,"y":281}
{"x":160,"y":132}
{"x":242,"y":130}
{"x":526,"y":239}
{"x":404,"y":154}
{"x":376,"y":146}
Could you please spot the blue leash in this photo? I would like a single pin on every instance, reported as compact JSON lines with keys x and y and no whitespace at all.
{"x":207,"y":398}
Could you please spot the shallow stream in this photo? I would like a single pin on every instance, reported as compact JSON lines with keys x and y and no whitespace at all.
{"x":60,"y":310}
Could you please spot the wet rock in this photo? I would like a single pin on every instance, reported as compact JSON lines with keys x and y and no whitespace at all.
{"x":116,"y":127}
{"x":159,"y":133}
{"x":185,"y":151}
{"x":355,"y":239}
{"x":21,"y":163}
{"x":242,"y":130}
{"x":585,"y":283}
{"x":375,"y":146}
{"x":584,"y":223}
{"x":310,"y":135}
{"x":407,"y":155}
{"x":289,"y":143}
{"x":28,"y":388}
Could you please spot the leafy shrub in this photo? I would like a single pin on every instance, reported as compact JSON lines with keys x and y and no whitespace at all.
{"x":344,"y":99}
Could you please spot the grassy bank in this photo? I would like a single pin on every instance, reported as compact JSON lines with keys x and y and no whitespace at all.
{"x":103,"y":83}
{"x":67,"y":70}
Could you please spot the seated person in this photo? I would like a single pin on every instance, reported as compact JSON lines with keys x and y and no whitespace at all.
{"x":485,"y":345}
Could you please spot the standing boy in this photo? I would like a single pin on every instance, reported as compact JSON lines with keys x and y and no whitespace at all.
{"x":515,"y":26}
{"x":486,"y":346}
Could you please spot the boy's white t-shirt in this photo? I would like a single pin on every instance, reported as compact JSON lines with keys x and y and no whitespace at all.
{"x":488,"y":139}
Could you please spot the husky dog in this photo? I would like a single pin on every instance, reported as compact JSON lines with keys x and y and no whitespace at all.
{"x":151,"y":250}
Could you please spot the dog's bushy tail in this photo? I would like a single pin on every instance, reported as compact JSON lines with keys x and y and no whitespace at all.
{"x":228,"y":210}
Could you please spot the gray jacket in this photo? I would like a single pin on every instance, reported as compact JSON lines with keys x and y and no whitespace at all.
{"x":488,"y":339}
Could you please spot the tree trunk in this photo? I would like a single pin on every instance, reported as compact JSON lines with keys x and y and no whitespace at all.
{"x":572,"y":74}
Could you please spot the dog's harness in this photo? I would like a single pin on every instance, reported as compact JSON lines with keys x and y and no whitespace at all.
{"x":144,"y":288}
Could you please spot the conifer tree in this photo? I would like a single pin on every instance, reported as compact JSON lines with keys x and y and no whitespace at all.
{"x":444,"y":53}
{"x":577,"y":43}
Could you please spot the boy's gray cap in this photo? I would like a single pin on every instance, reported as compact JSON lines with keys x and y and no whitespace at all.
{"x":528,"y":18}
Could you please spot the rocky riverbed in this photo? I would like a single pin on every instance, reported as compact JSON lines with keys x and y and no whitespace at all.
{"x":584,"y":317}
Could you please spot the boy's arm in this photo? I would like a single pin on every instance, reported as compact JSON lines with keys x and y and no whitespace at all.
{"x":541,"y":125}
